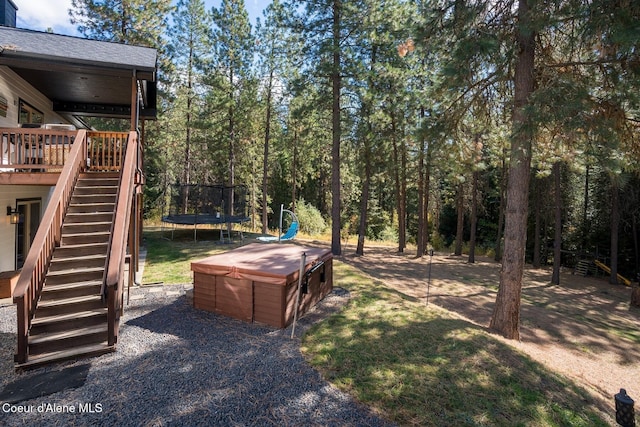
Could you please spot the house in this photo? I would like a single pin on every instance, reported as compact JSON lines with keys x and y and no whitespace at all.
{"x":72,"y":194}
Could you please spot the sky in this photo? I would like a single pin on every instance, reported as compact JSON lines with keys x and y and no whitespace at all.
{"x":42,"y":14}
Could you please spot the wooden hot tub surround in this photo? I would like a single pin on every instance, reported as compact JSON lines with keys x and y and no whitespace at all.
{"x":258,"y":282}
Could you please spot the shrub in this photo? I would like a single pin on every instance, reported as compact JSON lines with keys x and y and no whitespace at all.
{"x":311,"y":220}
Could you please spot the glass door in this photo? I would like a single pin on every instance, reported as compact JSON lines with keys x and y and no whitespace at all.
{"x":26,"y":229}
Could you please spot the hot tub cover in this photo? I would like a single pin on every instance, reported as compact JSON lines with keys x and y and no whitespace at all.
{"x":275,"y":263}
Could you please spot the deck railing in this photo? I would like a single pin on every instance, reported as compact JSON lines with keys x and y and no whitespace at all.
{"x":43,"y":150}
{"x":122,"y":233}
{"x":31,"y":280}
{"x":46,"y":150}
{"x":106,"y":150}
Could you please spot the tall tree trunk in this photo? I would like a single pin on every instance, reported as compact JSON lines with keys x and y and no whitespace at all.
{"x":265,"y":158}
{"x":364,"y":203}
{"x":503,"y":186}
{"x":557,"y":237}
{"x":474,"y":218}
{"x":336,"y":79}
{"x":636,"y":246}
{"x":537,"y":227}
{"x":397,"y":182}
{"x":585,"y":210}
{"x":232,"y":133}
{"x":421,"y":237}
{"x":615,"y":225}
{"x":460,"y":221}
{"x":186,"y":177}
{"x":506,"y":313}
{"x":402,"y":214}
{"x":427,"y":194}
{"x":294,"y":170}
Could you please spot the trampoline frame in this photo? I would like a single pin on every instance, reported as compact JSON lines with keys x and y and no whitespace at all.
{"x":227,"y":206}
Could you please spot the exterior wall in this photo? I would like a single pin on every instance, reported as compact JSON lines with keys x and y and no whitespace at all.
{"x":13,"y":88}
{"x":8,"y":196}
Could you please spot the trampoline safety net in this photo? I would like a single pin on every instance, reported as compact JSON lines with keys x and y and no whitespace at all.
{"x":191,"y":204}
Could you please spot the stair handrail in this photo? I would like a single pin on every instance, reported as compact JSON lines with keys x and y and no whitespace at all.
{"x":31,"y":279}
{"x":113,"y":285}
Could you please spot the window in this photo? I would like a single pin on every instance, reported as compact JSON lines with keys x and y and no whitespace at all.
{"x":29,"y":114}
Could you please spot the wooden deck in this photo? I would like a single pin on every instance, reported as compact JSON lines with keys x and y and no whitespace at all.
{"x":36,"y":156}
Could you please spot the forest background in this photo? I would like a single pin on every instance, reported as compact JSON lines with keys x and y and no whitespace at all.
{"x":503,"y":126}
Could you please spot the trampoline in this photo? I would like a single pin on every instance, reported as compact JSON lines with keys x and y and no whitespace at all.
{"x":194,"y":204}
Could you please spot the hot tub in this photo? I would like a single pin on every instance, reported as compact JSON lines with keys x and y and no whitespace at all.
{"x":258,"y":282}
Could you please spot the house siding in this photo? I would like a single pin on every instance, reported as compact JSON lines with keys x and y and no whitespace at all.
{"x":13,"y":88}
{"x":8,"y":197}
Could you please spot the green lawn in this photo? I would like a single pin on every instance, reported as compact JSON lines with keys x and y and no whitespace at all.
{"x":169,"y":260}
{"x":422,"y":366}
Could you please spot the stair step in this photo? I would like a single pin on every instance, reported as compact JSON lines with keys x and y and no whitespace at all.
{"x":73,"y":353}
{"x":69,"y":290}
{"x":92,"y":199}
{"x":86,"y":227}
{"x":61,"y":322}
{"x":101,"y":207}
{"x":74,"y":276}
{"x":49,"y":342}
{"x":69,"y":301}
{"x":84,"y":217}
{"x":62,"y":306}
{"x":69,"y":334}
{"x":95,"y":190}
{"x":68,"y":251}
{"x":85,"y":238}
{"x":99,"y":175}
{"x":98,"y":182}
{"x":60,"y":263}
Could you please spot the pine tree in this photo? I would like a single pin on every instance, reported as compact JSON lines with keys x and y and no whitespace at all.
{"x":231,"y":77}
{"x":137,"y":22}
{"x":190,"y":51}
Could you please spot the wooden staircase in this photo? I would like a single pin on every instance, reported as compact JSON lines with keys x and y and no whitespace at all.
{"x":583,"y":268}
{"x":71,"y":316}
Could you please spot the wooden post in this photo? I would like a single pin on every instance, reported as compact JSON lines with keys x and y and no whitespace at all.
{"x":303,"y":262}
{"x":134,"y":101}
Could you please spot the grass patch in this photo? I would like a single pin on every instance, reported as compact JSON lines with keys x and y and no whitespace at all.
{"x":419,"y":365}
{"x":169,"y":261}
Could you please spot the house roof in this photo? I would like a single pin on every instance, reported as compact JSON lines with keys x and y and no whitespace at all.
{"x":82,"y":76}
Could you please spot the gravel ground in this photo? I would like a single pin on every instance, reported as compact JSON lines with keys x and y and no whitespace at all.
{"x":176,"y":365}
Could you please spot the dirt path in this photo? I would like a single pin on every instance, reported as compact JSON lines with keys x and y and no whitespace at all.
{"x":582,"y":328}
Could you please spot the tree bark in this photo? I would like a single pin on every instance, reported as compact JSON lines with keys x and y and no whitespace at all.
{"x":615,"y":225}
{"x":460,"y":221}
{"x":402,"y":214}
{"x":421,"y":237}
{"x":336,"y":80}
{"x":397,"y":183}
{"x":585,"y":210}
{"x":265,"y":158}
{"x":537,"y":223}
{"x":503,"y":185}
{"x":474,"y":218}
{"x":294,"y":170}
{"x":364,"y":204}
{"x":557,"y":238}
{"x":506,"y":313}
